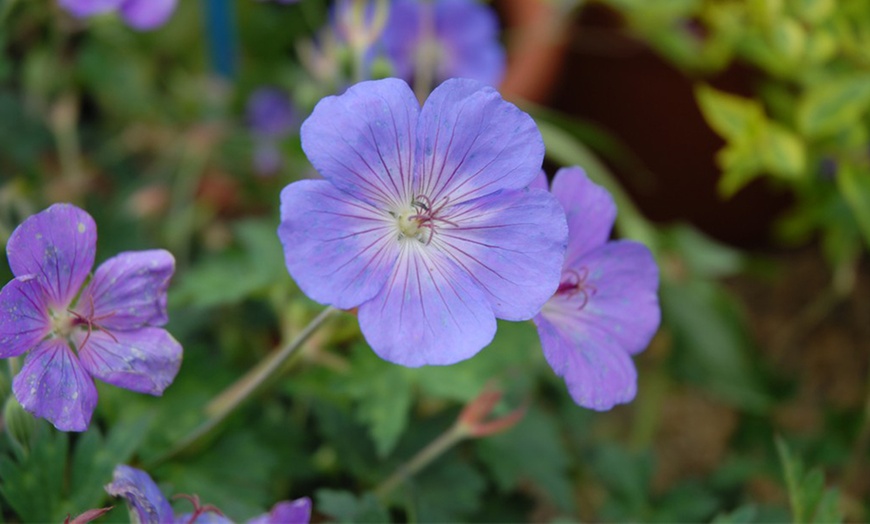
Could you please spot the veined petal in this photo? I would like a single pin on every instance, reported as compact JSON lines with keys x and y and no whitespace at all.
{"x":470,"y":143}
{"x":145,"y":15}
{"x":340,"y":250}
{"x":622,"y":306}
{"x":429,"y":312}
{"x":468,"y":32}
{"x":598,"y":374}
{"x":142,"y":493}
{"x":145,"y":360}
{"x":541,"y":182}
{"x":24,"y":320}
{"x":590,"y":210}
{"x":286,"y":512}
{"x":363,"y":141}
{"x":54,"y":386}
{"x":511,"y":244}
{"x":57,"y":245}
{"x":128,"y":291}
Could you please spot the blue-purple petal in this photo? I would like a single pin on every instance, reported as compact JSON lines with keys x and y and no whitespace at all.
{"x":270,"y":113}
{"x":54,"y":386}
{"x":58,"y":246}
{"x":286,"y":512}
{"x":590,"y":211}
{"x":511,"y":244}
{"x":340,"y":250}
{"x":128,"y":291}
{"x":599,"y":375}
{"x":146,"y":499}
{"x":363,"y":141}
{"x":85,"y":8}
{"x":145,"y":360}
{"x":468,"y":31}
{"x":145,"y":15}
{"x":24,"y":320}
{"x":471,"y":142}
{"x":429,"y":312}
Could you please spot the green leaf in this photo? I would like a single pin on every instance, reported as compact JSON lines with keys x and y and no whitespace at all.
{"x":854,"y":185}
{"x":702,"y":255}
{"x":32,"y":484}
{"x":383,"y":405}
{"x":741,"y":515}
{"x":832,"y":106}
{"x":783,"y":151}
{"x":344,"y":506}
{"x":733,"y":117}
{"x":711,"y":343}
{"x":533,"y":451}
{"x":810,"y":501}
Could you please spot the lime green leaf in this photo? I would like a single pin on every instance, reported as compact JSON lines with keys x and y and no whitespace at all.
{"x":832,"y":106}
{"x":784,"y":152}
{"x":731,"y":116}
{"x":854,"y":185}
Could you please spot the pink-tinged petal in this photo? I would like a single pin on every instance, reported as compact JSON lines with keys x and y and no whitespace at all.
{"x":590,"y":210}
{"x":85,"y":8}
{"x":540,"y":182}
{"x":24,"y":320}
{"x":57,"y":245}
{"x":598,"y":374}
{"x":146,"y":15}
{"x":128,"y":291}
{"x":145,"y":360}
{"x":511,"y":244}
{"x":470,"y":143}
{"x":142,"y":494}
{"x":287,"y":512}
{"x":54,"y":386}
{"x":429,"y":312}
{"x":363,"y":141}
{"x":340,"y":250}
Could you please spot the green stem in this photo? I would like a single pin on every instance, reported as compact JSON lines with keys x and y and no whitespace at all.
{"x":232,"y":397}
{"x":423,"y":458}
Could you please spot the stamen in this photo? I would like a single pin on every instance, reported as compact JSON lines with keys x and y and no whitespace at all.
{"x":575,"y":283}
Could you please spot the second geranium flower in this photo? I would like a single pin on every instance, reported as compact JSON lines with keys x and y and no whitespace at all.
{"x":424,"y":221}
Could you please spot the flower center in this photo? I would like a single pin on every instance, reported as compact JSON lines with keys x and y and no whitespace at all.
{"x":574,"y":284}
{"x":63,"y":323}
{"x":418,"y":221}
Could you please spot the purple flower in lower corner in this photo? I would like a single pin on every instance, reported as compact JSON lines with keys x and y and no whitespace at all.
{"x":150,"y":506}
{"x":424,"y":221}
{"x":143,"y":15}
{"x":73,"y":329}
{"x":606,"y":307}
{"x":458,"y":38}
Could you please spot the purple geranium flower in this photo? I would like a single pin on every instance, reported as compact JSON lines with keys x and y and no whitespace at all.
{"x":457,"y":37}
{"x":151,"y":507}
{"x":606,"y":307}
{"x":143,"y":15}
{"x":74,"y":329}
{"x":271,"y":117}
{"x":424,"y":221}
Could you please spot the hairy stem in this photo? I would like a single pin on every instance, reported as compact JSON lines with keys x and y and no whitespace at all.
{"x":241,"y":390}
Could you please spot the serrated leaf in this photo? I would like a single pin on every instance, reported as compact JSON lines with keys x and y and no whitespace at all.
{"x":531,"y":451}
{"x":809,"y":499}
{"x":832,"y":106}
{"x":783,"y":151}
{"x":32,"y":485}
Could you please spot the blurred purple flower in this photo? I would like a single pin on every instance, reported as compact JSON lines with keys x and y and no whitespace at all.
{"x":459,"y":38}
{"x":151,"y":507}
{"x":424,"y":220}
{"x":142,"y":15}
{"x":72,"y":334}
{"x":271,"y":117}
{"x":606,"y":307}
